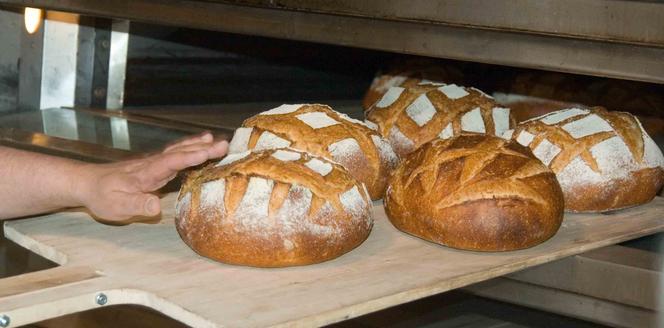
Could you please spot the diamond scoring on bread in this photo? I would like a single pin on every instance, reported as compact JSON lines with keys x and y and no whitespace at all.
{"x":320,"y":130}
{"x":604,"y":160}
{"x":422,"y":113}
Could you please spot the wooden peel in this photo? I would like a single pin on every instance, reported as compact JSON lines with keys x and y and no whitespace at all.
{"x":148,"y":264}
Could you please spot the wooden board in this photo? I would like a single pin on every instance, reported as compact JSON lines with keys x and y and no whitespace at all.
{"x":148,"y":264}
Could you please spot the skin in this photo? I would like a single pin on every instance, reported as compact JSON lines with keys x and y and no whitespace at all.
{"x":32,"y":183}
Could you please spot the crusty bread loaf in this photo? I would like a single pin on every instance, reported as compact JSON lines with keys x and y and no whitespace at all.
{"x":273,"y":208}
{"x":410,"y":74}
{"x":410,"y":117}
{"x":320,"y":130}
{"x":603,"y":160}
{"x":475,"y":192}
{"x":524,"y":108}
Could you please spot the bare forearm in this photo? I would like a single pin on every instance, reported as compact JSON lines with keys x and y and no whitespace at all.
{"x":32,"y":183}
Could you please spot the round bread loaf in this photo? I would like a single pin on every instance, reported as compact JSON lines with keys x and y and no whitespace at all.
{"x":320,"y":130}
{"x":408,"y":75}
{"x":475,"y":192}
{"x":273,"y":208}
{"x":524,"y":108}
{"x":411,"y":117}
{"x":603,"y":160}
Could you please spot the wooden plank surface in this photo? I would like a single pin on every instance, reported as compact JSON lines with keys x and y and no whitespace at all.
{"x":148,"y":264}
{"x":567,"y":303}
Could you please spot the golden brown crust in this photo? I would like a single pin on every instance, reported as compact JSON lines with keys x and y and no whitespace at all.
{"x":475,"y":192}
{"x":267,"y":212}
{"x":596,"y":177}
{"x":405,"y":134}
{"x":410,"y":74}
{"x":370,"y":163}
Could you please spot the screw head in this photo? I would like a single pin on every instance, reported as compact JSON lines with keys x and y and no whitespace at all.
{"x":101,"y":299}
{"x":4,"y":321}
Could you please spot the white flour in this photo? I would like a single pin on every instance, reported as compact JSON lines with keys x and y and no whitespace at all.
{"x":317,"y":120}
{"x":390,"y":97}
{"x":371,"y":125}
{"x":319,"y":166}
{"x":525,"y":138}
{"x":269,"y":140}
{"x":253,"y":208}
{"x":561,"y":115}
{"x":387,"y":154}
{"x":353,"y":202}
{"x":212,"y":195}
{"x":230,"y":158}
{"x":577,"y":172}
{"x":586,"y":126}
{"x":613,"y":158}
{"x":447,"y":132}
{"x":473,"y":122}
{"x":283,"y":109}
{"x":397,"y":138}
{"x":453,"y":91}
{"x":421,"y":110}
{"x":182,"y":207}
{"x":342,"y":150}
{"x":501,"y":119}
{"x":546,"y":151}
{"x":508,"y":134}
{"x":240,"y":141}
{"x":286,"y":155}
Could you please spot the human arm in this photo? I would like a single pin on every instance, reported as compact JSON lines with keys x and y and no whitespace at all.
{"x":32,"y":183}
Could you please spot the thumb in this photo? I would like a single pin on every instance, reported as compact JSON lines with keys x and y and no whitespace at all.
{"x":144,"y":205}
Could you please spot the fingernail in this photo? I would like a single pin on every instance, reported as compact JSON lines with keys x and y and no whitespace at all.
{"x":152,"y":206}
{"x":207,"y":137}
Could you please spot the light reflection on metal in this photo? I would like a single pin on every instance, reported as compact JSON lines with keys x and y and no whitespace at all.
{"x":58,"y":80}
{"x":32,"y":18}
{"x":60,"y":123}
{"x":120,"y":133}
{"x":117,"y":65}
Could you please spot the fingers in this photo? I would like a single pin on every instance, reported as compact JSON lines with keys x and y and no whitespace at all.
{"x":162,"y":168}
{"x":203,"y":137}
{"x":142,"y":205}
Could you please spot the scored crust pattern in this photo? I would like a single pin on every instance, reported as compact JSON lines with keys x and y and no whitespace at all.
{"x":412,"y":116}
{"x":597,"y":156}
{"x":475,"y":192}
{"x":320,"y":130}
{"x":273,"y":208}
{"x":410,"y":73}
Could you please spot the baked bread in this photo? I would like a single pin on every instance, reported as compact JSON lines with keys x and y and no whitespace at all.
{"x":411,"y":117}
{"x":273,"y":208}
{"x":475,"y":192}
{"x":524,"y":108}
{"x":603,"y":160}
{"x":410,"y":74}
{"x":324,"y":132}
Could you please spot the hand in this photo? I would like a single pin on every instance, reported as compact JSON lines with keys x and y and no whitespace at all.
{"x":122,"y":190}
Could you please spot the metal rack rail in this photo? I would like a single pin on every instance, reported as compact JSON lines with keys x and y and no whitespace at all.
{"x":618,"y":38}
